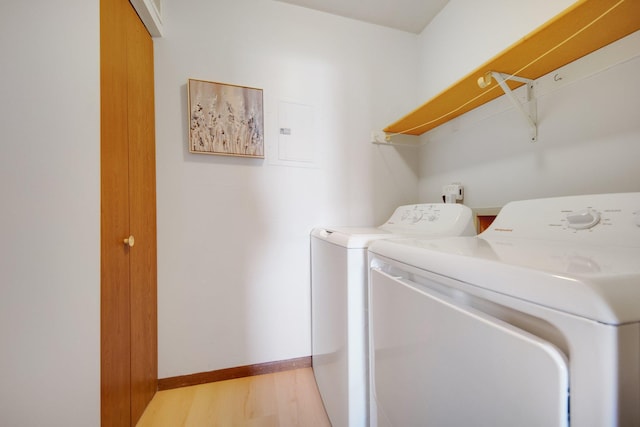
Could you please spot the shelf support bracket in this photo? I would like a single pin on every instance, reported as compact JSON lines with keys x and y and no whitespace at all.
{"x":382,"y":138}
{"x":530,"y":116}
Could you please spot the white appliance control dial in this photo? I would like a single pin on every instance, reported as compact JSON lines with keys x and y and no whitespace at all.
{"x":583,"y":219}
{"x":637,"y":215}
{"x":417,"y":216}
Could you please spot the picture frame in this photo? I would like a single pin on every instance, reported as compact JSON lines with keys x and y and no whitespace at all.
{"x":225,"y":119}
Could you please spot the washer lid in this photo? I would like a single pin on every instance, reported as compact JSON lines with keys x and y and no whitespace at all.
{"x":426,"y":219}
{"x":598,"y":282}
{"x":351,"y":237}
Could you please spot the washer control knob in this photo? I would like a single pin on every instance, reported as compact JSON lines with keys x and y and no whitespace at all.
{"x":583,"y":219}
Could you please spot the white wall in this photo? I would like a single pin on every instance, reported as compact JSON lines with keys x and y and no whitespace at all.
{"x":467,"y":33}
{"x":233,"y":233}
{"x":588,"y":130}
{"x":50,"y":219}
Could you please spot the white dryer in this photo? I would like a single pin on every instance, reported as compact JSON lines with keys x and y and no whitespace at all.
{"x":534,"y":322}
{"x":338,"y":305}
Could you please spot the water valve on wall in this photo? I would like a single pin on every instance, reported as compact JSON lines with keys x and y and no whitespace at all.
{"x":452,"y":193}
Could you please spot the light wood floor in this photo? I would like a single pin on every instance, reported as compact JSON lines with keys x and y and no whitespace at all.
{"x":281,"y":399}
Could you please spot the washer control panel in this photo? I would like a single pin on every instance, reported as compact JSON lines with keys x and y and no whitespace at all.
{"x":431,"y":218}
{"x":417,"y":213}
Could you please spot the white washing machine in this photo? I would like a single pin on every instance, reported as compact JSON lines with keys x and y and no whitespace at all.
{"x":338,"y":305}
{"x":534,"y":322}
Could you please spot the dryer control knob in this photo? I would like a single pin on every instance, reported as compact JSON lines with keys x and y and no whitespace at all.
{"x":583,"y":219}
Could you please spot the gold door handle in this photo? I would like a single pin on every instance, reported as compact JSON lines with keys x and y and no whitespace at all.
{"x":130,"y":241}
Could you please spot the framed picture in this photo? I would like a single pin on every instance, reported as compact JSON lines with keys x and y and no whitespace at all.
{"x":225,"y":119}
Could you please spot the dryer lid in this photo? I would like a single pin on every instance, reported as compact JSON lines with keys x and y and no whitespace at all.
{"x":530,"y":252}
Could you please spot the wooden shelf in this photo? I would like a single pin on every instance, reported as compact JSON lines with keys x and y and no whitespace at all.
{"x":556,"y":43}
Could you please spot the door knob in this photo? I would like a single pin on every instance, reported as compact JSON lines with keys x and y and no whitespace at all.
{"x":130,"y":241}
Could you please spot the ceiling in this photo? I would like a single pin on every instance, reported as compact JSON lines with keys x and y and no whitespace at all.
{"x":407,"y":15}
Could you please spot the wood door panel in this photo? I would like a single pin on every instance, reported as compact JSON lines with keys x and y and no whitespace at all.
{"x":128,"y":207}
{"x":142,"y":196}
{"x":114,"y":264}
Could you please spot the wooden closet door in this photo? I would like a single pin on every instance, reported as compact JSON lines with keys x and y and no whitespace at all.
{"x":114,"y":264}
{"x":142,"y":218}
{"x":128,"y":274}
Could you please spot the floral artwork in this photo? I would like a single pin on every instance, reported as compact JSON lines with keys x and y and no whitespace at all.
{"x":225,"y":119}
